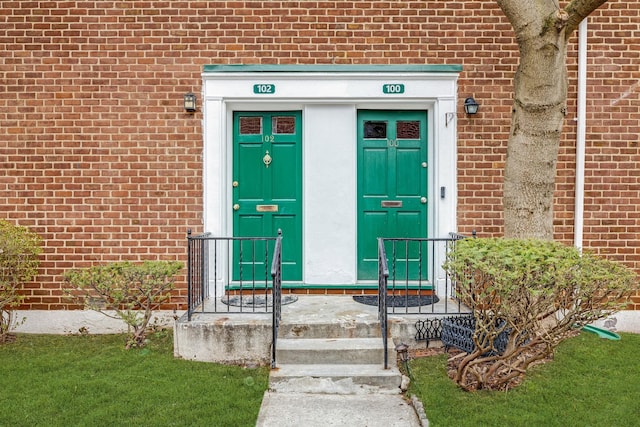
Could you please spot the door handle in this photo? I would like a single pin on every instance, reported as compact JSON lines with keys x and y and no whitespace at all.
{"x":236,"y":207}
{"x":423,"y":200}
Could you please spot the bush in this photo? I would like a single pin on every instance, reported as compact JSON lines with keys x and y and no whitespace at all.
{"x":19,"y":251}
{"x":126,"y":291}
{"x":538,"y":292}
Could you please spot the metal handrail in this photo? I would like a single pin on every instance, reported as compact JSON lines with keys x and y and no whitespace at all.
{"x":383,"y":277}
{"x":276,"y":313}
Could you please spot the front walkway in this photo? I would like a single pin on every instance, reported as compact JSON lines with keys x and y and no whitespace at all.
{"x":321,"y":410}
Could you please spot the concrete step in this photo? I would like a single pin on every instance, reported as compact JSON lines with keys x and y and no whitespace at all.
{"x":330,"y":351}
{"x":345,"y":327}
{"x":336,"y":378}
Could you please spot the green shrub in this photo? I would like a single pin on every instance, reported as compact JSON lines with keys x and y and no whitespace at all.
{"x":126,"y":291}
{"x":19,"y":251}
{"x":535,"y":290}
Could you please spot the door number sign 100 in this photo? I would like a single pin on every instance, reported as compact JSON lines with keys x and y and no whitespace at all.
{"x":392,"y":88}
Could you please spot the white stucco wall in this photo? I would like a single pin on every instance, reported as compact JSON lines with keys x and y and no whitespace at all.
{"x":330,"y":187}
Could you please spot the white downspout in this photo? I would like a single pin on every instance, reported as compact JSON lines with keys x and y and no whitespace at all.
{"x":578,"y":226}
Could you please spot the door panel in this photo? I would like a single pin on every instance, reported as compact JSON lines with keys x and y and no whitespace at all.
{"x":375,"y":164}
{"x":392,"y":186}
{"x":284,"y":185}
{"x":267,"y":193}
{"x":407,"y":175}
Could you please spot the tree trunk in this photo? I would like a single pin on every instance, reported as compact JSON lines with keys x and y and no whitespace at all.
{"x":539,"y":108}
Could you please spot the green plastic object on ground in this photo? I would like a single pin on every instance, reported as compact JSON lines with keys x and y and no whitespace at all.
{"x":602,"y":333}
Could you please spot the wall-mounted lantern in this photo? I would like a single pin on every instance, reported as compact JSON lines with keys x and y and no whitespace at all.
{"x":190,"y":102}
{"x":471,"y":106}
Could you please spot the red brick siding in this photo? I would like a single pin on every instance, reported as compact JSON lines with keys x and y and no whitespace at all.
{"x":99,"y":158}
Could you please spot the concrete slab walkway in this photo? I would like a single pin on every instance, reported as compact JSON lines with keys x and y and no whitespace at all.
{"x":323,"y":410}
{"x":319,"y":399}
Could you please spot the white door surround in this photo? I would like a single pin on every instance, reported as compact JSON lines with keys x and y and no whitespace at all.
{"x":329,"y":98}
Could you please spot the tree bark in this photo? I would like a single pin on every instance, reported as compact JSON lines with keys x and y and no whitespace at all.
{"x":539,"y":108}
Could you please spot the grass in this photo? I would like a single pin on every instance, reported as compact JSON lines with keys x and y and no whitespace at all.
{"x":92,"y":380}
{"x":591,"y":382}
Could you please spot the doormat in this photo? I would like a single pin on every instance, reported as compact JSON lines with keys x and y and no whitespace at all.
{"x":398,"y":300}
{"x":255,"y":301}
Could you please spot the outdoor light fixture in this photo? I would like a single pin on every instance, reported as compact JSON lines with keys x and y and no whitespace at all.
{"x":471,"y":106}
{"x":403,"y":352}
{"x":189,"y":102}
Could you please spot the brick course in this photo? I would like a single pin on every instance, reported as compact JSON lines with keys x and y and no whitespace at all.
{"x":98,"y":157}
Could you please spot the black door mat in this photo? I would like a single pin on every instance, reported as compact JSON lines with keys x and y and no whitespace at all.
{"x":398,"y":300}
{"x":255,"y":301}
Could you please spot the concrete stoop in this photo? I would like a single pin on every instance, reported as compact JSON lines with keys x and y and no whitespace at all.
{"x":329,"y":360}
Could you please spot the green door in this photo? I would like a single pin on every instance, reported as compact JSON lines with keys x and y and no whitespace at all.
{"x":392,"y":187}
{"x":267,"y":191}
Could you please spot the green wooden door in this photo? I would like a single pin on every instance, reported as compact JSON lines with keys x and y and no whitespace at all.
{"x":267,"y":191}
{"x":392,"y":186}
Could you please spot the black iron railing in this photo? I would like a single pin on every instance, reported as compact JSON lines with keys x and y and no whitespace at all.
{"x":245,"y":274}
{"x":276,"y":277}
{"x":411,"y":280}
{"x":197,"y":271}
{"x":230,"y":274}
{"x":383,"y":277}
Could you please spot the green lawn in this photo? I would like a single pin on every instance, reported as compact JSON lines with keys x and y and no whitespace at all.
{"x":48,"y":380}
{"x":91,"y":380}
{"x":591,"y":382}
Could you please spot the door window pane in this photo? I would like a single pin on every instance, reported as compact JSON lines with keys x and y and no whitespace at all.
{"x":283,"y":125}
{"x":250,"y":125}
{"x":375,"y":129}
{"x":408,"y":129}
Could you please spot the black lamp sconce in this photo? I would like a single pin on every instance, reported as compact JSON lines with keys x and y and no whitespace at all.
{"x":471,"y":106}
{"x":190,"y":102}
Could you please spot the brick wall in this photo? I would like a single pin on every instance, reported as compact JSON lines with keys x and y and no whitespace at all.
{"x":98,"y":156}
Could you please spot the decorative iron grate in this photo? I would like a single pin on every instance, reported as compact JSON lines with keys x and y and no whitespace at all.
{"x":431,"y":329}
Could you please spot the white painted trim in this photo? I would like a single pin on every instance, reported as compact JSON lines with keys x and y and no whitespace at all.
{"x":578,"y":226}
